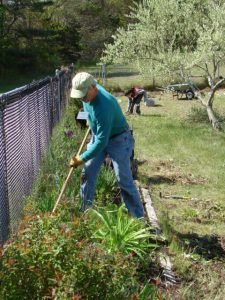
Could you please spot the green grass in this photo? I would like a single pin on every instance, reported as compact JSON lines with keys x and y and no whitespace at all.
{"x":183,"y":158}
{"x":180,"y":157}
{"x":122,"y":77}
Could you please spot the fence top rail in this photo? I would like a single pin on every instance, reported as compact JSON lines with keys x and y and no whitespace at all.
{"x":11,"y":96}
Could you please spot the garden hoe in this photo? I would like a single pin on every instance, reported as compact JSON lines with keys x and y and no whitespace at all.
{"x":70,"y":173}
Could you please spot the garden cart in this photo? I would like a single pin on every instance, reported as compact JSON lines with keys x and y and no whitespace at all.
{"x":179,"y":90}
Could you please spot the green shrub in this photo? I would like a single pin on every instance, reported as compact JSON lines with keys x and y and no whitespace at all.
{"x":55,"y":258}
{"x":199,"y":115}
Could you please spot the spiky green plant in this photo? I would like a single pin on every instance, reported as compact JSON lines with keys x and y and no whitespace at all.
{"x":120,"y":232}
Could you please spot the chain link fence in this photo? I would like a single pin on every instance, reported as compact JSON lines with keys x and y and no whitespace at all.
{"x":27,"y":117}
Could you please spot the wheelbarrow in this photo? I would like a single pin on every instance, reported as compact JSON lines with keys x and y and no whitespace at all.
{"x":181,"y":89}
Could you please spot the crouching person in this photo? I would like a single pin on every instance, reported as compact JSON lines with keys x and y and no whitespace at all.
{"x":112,"y":136}
{"x":135,"y":95}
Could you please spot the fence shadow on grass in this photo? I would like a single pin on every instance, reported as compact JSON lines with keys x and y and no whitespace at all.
{"x":207,"y":246}
{"x":122,"y":74}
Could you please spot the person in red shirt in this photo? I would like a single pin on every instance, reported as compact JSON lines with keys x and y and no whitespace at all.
{"x":135,"y":95}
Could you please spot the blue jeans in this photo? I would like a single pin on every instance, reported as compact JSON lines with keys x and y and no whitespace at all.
{"x":119,"y":149}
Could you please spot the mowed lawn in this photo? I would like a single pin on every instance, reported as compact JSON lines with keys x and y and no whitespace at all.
{"x":179,"y":157}
{"x":182,"y":163}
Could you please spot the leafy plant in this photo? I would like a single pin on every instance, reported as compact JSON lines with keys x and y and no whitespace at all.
{"x":106,"y":189}
{"x":55,"y":258}
{"x":119,"y":232}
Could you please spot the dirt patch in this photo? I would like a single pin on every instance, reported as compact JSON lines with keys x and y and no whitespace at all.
{"x":191,"y":179}
{"x":167,"y":169}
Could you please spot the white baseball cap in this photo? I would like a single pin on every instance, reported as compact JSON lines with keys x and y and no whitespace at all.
{"x":80,"y":84}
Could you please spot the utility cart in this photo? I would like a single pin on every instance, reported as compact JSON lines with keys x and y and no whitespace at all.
{"x":181,"y":89}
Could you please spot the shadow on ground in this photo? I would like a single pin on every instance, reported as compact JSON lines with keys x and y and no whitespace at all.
{"x":150,"y":116}
{"x":121,"y":74}
{"x":207,"y":246}
{"x":157,"y":179}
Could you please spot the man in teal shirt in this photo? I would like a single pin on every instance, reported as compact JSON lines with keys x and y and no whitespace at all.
{"x":112,"y":136}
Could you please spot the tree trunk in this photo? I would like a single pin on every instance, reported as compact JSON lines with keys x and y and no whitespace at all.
{"x":212,"y":118}
{"x":209,"y":105}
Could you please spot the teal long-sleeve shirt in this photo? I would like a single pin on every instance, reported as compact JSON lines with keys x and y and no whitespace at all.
{"x":105,"y":119}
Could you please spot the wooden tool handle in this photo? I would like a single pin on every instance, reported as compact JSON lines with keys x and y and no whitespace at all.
{"x":70,"y":173}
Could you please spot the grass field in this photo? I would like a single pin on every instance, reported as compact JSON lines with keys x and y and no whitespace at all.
{"x":182,"y":164}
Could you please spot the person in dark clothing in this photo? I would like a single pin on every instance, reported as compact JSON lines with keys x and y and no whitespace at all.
{"x":135,"y":95}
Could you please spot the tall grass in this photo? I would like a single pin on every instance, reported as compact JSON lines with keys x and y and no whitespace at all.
{"x":66,"y":139}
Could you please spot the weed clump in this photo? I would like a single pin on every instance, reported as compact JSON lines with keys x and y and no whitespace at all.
{"x":199,"y":115}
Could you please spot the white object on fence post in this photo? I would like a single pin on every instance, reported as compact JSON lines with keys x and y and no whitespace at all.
{"x":56,"y":72}
{"x":103,"y":74}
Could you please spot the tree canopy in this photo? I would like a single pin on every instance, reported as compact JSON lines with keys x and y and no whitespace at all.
{"x":168,"y":38}
{"x":42,"y":33}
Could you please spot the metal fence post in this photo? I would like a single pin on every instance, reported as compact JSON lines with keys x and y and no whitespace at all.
{"x":103,"y":74}
{"x":4,"y":204}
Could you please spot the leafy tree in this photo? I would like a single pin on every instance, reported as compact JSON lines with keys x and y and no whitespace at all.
{"x":32,"y":39}
{"x":95,"y":21}
{"x":168,"y":38}
{"x":36,"y":34}
{"x":23,"y":34}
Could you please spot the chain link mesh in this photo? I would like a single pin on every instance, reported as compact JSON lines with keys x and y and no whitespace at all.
{"x":27,"y":117}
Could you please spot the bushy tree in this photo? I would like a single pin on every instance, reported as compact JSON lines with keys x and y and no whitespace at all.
{"x":95,"y":22}
{"x":25,"y":36}
{"x":170,"y":37}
